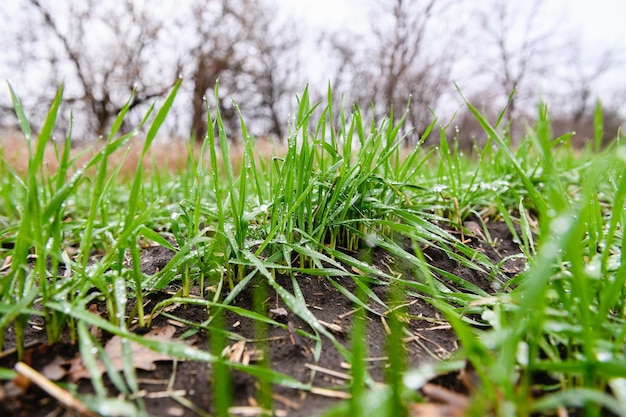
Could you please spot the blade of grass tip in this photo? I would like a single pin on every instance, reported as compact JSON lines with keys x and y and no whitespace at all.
{"x":390,"y":130}
{"x":31,"y":204}
{"x":99,"y":189}
{"x":64,"y":161}
{"x":241,"y":227}
{"x":155,"y":237}
{"x":32,"y":231}
{"x":409,"y":167}
{"x":214,"y":168}
{"x":21,"y":117}
{"x":160,"y":117}
{"x":250,"y":165}
{"x":119,"y":119}
{"x":305,"y":110}
{"x":506,"y":107}
{"x":331,"y":120}
{"x":225,"y":150}
{"x":22,"y":241}
{"x":598,"y":126}
{"x":321,"y":131}
{"x":534,"y":194}
{"x":150,"y":136}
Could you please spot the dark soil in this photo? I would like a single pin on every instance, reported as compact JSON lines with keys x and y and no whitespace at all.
{"x":288,"y":351}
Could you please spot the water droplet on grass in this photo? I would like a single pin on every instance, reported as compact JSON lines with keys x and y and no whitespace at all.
{"x":560,"y":225}
{"x":522,"y":353}
{"x":371,"y":240}
{"x":594,"y":268}
{"x":416,"y":379}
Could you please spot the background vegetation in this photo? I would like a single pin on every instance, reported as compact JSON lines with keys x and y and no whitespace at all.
{"x":263,"y":57}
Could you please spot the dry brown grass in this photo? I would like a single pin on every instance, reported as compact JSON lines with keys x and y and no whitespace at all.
{"x":163,"y":156}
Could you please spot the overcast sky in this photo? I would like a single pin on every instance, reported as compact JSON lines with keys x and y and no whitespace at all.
{"x":601,"y":20}
{"x":592,"y":21}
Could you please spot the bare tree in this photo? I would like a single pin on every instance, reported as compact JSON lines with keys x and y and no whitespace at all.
{"x":583,"y":73}
{"x":221,"y":29}
{"x":275,"y":69}
{"x":516,"y":49}
{"x":241,"y":44}
{"x":409,"y":57}
{"x":104,"y":51}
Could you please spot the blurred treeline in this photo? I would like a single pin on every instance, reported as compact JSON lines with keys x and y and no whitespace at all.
{"x":392,"y":52}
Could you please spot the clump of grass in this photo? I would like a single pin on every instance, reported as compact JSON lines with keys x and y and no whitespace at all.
{"x":341,"y":188}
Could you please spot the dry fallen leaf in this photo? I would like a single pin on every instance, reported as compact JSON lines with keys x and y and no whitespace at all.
{"x":55,"y":370}
{"x":443,"y":403}
{"x":143,"y":358}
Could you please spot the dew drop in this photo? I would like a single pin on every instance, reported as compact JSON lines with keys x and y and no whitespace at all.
{"x":490,"y":317}
{"x":593,"y":270}
{"x":560,"y":225}
{"x":522,"y":353}
{"x":189,"y":351}
{"x":417,"y":378}
{"x":371,"y":240}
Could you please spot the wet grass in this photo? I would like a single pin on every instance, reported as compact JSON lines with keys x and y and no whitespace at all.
{"x":73,"y":234}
